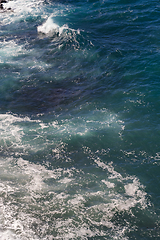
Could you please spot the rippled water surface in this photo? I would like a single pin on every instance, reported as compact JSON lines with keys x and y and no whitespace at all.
{"x":80,"y":120}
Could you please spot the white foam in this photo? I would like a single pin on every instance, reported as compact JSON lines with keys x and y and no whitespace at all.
{"x":24,"y":6}
{"x":89,"y":122}
{"x":48,"y":27}
{"x":77,"y":200}
{"x":8,"y":235}
{"x":28,"y":179}
{"x":108,"y":184}
{"x":12,"y":132}
{"x":43,"y":194}
{"x":134,"y":189}
{"x":66,"y":188}
{"x":9,"y":49}
{"x":32,"y":134}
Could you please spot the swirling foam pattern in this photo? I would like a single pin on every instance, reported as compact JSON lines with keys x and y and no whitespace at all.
{"x":79,"y":120}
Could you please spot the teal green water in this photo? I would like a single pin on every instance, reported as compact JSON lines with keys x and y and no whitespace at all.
{"x":79,"y":120}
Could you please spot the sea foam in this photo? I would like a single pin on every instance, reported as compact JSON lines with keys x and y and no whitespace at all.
{"x":51,"y":28}
{"x":48,"y":27}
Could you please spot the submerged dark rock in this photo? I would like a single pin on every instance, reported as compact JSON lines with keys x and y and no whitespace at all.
{"x":43,"y":97}
{"x":1,"y":5}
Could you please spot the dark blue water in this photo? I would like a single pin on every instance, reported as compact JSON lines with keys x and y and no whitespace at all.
{"x":80,"y":120}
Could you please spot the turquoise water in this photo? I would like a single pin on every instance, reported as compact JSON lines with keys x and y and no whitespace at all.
{"x":79,"y":120}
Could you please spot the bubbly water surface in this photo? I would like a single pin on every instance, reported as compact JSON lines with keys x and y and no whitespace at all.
{"x":80,"y":120}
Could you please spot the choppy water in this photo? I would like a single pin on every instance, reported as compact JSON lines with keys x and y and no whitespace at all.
{"x":80,"y":120}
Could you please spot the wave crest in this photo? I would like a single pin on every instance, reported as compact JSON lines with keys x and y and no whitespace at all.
{"x":51,"y":28}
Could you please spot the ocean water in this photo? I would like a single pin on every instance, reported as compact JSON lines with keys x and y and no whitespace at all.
{"x":80,"y":120}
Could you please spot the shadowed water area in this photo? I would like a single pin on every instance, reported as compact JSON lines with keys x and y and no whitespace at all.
{"x":79,"y":120}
